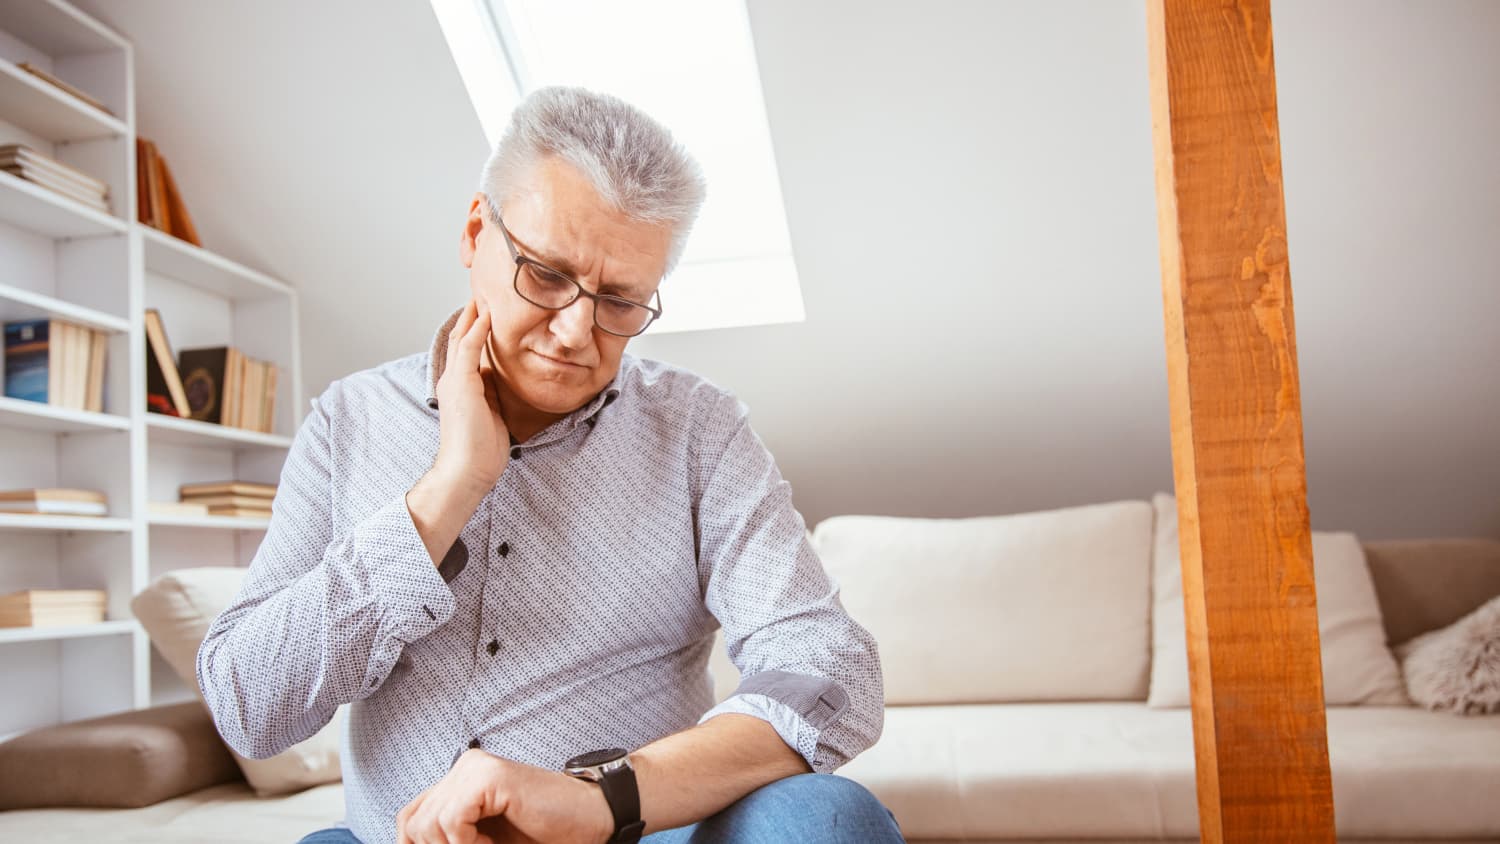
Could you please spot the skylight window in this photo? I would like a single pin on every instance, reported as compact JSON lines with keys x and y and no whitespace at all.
{"x":691,"y":65}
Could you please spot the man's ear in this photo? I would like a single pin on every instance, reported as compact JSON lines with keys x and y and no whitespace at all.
{"x":468,"y":240}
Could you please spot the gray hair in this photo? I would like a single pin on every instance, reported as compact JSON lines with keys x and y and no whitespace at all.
{"x":631,"y":160}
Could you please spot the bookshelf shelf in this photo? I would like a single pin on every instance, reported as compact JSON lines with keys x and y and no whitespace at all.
{"x":43,"y":522}
{"x":35,"y":416}
{"x":59,"y":29}
{"x":75,"y":631}
{"x":16,"y":303}
{"x":195,"y":266}
{"x":212,"y":522}
{"x":170,"y":429}
{"x":49,"y":113}
{"x":37,"y":209}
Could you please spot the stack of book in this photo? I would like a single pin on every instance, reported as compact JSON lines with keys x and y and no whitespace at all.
{"x":63,"y":86}
{"x":51,"y":607}
{"x":65,"y":502}
{"x":218,"y":384}
{"x":230,"y":498}
{"x":25,"y":162}
{"x":55,"y":362}
{"x":158,"y":204}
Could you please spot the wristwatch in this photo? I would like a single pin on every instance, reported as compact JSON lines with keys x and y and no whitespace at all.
{"x":612,"y":771}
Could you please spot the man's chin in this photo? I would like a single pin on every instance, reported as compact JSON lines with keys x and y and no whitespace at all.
{"x":550,"y":399}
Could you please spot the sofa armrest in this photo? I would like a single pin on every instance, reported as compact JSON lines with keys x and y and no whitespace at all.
{"x":125,"y":760}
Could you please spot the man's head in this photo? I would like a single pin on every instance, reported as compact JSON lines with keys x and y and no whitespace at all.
{"x":596,"y":190}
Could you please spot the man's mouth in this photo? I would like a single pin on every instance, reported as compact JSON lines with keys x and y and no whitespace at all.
{"x":558,"y":361}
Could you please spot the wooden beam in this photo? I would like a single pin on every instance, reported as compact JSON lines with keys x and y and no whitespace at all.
{"x":1252,"y":624}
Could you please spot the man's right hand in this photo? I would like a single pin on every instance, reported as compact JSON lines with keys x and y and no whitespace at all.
{"x":474,"y":442}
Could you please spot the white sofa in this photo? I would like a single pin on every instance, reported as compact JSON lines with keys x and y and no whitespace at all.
{"x":1020,"y":677}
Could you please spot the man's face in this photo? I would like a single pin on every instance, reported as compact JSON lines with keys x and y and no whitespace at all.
{"x":555,"y":361}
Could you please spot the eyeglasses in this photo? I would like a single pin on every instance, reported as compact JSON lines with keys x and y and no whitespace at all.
{"x":547,"y":288}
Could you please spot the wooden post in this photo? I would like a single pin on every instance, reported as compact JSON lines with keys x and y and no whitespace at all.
{"x":1252,"y":624}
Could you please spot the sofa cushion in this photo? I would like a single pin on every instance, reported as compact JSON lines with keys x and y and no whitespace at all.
{"x":123,"y":760}
{"x":224,"y":814}
{"x":176,"y":610}
{"x":1457,"y":668}
{"x":1357,"y":665}
{"x":1427,"y":584}
{"x":1038,"y":606}
{"x":1124,"y":770}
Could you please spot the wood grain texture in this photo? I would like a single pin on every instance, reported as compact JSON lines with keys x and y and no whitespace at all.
{"x":1252,"y":627}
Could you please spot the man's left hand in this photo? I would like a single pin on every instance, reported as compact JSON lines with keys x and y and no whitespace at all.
{"x":485,"y":799}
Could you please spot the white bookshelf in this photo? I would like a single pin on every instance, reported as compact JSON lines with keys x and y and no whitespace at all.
{"x":60,"y":259}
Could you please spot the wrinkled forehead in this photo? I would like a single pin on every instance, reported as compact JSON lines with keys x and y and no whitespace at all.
{"x":557,"y":217}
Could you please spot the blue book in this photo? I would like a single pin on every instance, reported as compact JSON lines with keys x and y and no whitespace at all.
{"x":26,"y":359}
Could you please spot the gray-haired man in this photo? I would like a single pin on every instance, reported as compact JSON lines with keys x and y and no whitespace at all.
{"x":510,"y":553}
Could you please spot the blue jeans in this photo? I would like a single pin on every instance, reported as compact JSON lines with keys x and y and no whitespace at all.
{"x":820,"y":808}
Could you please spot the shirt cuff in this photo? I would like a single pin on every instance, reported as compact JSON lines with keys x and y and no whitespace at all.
{"x":401,"y":572}
{"x":792,"y":727}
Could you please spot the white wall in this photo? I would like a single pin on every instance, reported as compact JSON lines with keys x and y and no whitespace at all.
{"x":970,"y":194}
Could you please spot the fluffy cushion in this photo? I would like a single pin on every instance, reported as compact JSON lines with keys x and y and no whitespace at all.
{"x":1457,"y":669}
{"x":1357,"y":666}
{"x":122,"y":761}
{"x":176,"y":610}
{"x":1037,"y":606}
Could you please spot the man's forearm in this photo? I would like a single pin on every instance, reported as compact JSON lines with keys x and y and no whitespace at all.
{"x":690,"y":775}
{"x":439,"y":510}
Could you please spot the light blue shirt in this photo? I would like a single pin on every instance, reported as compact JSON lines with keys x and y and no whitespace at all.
{"x":575,"y":612}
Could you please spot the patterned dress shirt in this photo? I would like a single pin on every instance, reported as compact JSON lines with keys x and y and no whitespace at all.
{"x":576,"y":610}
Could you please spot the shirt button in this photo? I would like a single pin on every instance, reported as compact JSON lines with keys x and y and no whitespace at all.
{"x":504,"y":549}
{"x":473,"y":743}
{"x":515,"y":453}
{"x":493,"y":646}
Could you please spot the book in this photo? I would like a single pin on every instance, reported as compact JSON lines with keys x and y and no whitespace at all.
{"x":164,"y":393}
{"x":233,"y":377}
{"x":142,"y":195}
{"x":58,"y":501}
{"x":251,"y":502}
{"x":52,"y":598}
{"x":268,"y":412}
{"x":63,"y":189}
{"x":29,"y":373}
{"x":250,"y":488}
{"x":181,"y":223}
{"x":26,"y":163}
{"x":241,"y":512}
{"x":203,"y":374}
{"x":98,"y":347}
{"x":20,"y":155}
{"x":63,"y":86}
{"x":159,"y":208}
{"x":176,"y":508}
{"x":254,"y":383}
{"x":51,"y":607}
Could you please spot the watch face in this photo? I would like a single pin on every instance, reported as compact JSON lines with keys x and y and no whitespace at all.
{"x":594,"y":758}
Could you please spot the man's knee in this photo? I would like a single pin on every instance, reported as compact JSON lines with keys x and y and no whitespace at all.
{"x":826,"y":796}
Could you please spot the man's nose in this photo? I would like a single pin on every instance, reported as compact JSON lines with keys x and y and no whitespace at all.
{"x":574,"y":325}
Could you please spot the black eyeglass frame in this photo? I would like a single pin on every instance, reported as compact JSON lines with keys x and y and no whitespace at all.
{"x":578,"y":289}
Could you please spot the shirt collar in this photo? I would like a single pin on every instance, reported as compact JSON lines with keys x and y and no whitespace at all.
{"x":437,"y":359}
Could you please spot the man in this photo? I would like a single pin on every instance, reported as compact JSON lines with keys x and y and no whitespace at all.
{"x":510,"y":553}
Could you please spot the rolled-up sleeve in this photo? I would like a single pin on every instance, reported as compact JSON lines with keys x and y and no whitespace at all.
{"x":806,"y":667}
{"x":323,"y":614}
